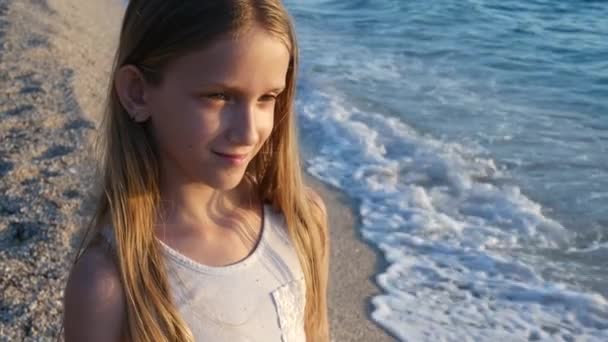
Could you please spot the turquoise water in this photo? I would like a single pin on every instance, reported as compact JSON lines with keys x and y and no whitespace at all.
{"x":472,"y":135}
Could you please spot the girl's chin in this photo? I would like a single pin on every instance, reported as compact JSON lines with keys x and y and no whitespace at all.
{"x":226,"y":181}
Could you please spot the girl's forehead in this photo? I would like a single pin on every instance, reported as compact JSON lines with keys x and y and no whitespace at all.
{"x":251,"y":55}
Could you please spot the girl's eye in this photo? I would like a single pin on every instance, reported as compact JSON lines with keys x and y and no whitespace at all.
{"x":224,"y":97}
{"x":268,"y":98}
{"x":217,"y":96}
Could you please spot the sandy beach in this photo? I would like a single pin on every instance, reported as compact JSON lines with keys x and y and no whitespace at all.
{"x":54,"y":60}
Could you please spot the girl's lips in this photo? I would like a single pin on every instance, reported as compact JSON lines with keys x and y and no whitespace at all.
{"x":235,"y":159}
{"x":229,"y":155}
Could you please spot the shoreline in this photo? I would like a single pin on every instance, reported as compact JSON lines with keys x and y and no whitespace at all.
{"x":74,"y":45}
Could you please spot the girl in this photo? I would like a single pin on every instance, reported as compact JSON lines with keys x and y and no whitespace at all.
{"x":204,"y":230}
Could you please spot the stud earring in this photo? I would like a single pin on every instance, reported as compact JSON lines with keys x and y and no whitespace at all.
{"x":131,"y":116}
{"x":137,"y":117}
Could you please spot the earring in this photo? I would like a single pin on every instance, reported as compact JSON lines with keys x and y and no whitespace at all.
{"x":137,"y":118}
{"x":131,"y":116}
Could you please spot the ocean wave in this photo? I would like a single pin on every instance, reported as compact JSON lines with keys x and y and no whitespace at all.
{"x":451,"y":231}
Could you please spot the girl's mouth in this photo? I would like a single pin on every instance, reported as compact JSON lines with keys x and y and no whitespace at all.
{"x":235,"y":159}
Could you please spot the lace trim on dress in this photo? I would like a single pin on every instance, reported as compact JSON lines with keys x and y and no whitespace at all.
{"x":290,"y":300}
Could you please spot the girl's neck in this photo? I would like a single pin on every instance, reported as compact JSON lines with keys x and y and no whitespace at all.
{"x":198,"y":205}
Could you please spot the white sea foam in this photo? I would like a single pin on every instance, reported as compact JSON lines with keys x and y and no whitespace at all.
{"x":454,"y":236}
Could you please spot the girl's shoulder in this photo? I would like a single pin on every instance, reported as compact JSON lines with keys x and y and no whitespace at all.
{"x":319,"y":211}
{"x":94,"y":306}
{"x":317,"y":200}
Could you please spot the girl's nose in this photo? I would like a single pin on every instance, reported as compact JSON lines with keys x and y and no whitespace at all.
{"x":243,"y":129}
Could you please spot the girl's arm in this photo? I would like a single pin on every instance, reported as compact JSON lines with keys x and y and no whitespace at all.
{"x":321,"y":210}
{"x":325,"y":280}
{"x":94,"y":307}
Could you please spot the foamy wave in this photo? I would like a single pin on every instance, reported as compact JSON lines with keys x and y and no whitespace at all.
{"x":447,"y":223}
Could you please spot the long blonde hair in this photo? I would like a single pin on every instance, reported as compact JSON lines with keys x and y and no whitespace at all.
{"x":155,"y":32}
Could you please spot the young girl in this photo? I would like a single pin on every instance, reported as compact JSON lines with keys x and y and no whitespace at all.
{"x":204,"y":230}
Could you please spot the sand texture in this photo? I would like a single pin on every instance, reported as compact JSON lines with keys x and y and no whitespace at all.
{"x":55,"y":56}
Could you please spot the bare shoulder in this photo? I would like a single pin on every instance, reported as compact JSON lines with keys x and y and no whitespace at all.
{"x":94,"y":307}
{"x":317,"y":200}
{"x":320,"y":211}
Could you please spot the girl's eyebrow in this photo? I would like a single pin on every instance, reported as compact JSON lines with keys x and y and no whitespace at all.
{"x":237,"y":90}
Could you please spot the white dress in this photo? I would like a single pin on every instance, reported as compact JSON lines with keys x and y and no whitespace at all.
{"x":260,"y":298}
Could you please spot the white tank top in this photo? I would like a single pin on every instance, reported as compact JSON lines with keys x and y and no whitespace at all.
{"x":260,"y":298}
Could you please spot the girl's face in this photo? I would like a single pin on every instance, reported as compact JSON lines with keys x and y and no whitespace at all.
{"x":214,"y":108}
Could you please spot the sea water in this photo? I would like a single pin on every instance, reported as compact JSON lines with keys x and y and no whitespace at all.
{"x":472,"y":138}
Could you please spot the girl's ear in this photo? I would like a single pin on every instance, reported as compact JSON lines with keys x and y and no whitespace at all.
{"x":131,"y":87}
